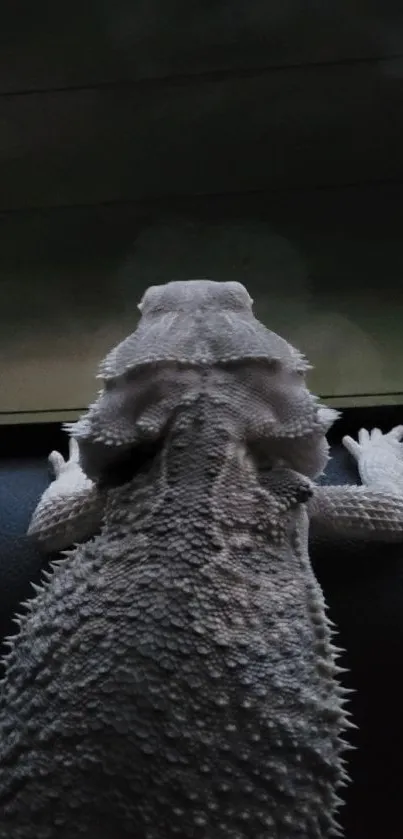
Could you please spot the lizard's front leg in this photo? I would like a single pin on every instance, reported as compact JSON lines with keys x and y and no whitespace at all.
{"x":71,"y":508}
{"x":373,"y":511}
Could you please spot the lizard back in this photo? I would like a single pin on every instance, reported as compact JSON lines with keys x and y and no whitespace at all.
{"x":176,"y":676}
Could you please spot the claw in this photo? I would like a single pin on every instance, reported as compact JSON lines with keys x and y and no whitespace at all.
{"x":352,"y":446}
{"x":363,"y":436}
{"x":396,"y":433}
{"x":57,"y":462}
{"x":74,"y":451}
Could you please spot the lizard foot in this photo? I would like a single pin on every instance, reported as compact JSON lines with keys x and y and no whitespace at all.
{"x":71,"y":508}
{"x":60,"y":466}
{"x":379,"y":458}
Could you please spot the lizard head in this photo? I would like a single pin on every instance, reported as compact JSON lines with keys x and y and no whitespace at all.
{"x":190,"y":296}
{"x":197,"y":322}
{"x":188,"y":329}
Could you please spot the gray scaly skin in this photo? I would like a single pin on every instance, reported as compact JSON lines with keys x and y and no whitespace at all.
{"x":175,"y":676}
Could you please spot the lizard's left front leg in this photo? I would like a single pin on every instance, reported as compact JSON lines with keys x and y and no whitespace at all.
{"x":373,"y":511}
{"x":71,"y":508}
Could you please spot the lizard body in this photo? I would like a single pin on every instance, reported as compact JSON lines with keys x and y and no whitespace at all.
{"x":176,"y":674}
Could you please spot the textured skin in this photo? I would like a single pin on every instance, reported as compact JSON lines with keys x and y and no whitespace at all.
{"x":175,"y":677}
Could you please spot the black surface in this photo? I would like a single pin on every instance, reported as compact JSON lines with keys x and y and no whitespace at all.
{"x":363,"y":587}
{"x":45,"y":45}
{"x":129,"y":101}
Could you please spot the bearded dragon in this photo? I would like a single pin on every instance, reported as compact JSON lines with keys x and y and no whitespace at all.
{"x":176,"y":675}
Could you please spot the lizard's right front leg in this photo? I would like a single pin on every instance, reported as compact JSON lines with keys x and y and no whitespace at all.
{"x":71,"y":508}
{"x":370,"y":512}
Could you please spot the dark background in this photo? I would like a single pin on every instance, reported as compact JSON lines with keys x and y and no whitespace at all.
{"x":166,"y":139}
{"x":159,"y":98}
